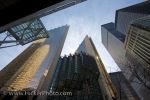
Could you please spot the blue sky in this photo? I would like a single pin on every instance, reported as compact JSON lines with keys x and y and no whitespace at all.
{"x":84,"y":19}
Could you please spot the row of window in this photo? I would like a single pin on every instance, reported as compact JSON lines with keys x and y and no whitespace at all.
{"x":139,"y":43}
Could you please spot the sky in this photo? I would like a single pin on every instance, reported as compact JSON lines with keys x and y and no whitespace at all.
{"x":84,"y":19}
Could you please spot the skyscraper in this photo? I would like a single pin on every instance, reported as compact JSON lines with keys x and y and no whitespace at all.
{"x":135,"y":53}
{"x":126,"y":15}
{"x":83,"y":74}
{"x":79,"y":75}
{"x":123,"y":54}
{"x":107,"y":30}
{"x":26,"y":70}
{"x":26,"y":10}
{"x":137,"y":48}
{"x":114,"y":43}
{"x":123,"y":87}
{"x":108,"y":91}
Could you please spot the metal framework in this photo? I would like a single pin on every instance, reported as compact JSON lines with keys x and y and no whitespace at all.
{"x":23,"y":34}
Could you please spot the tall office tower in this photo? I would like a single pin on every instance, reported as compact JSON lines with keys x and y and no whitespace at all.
{"x":126,"y":15}
{"x":114,"y":43}
{"x":77,"y":74}
{"x":83,"y":74}
{"x":26,"y":70}
{"x":113,"y":37}
{"x":26,"y":10}
{"x":87,"y":46}
{"x":123,"y":87}
{"x":71,"y":75}
{"x":137,"y":47}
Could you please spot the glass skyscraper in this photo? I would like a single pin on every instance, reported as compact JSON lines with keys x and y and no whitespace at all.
{"x":126,"y":15}
{"x":79,"y":75}
{"x":114,"y":43}
{"x":131,"y":26}
{"x":106,"y":86}
{"x":26,"y":70}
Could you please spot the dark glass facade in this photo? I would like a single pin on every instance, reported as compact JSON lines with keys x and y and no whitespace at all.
{"x":77,"y":74}
{"x":105,"y":83}
{"x":126,"y":15}
{"x":123,"y":87}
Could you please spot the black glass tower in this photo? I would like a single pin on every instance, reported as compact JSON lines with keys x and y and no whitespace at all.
{"x":77,"y":74}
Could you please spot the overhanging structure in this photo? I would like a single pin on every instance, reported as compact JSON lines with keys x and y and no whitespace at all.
{"x":24,"y":33}
{"x":13,"y":12}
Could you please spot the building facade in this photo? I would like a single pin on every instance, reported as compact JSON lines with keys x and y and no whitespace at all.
{"x":26,"y":70}
{"x":123,"y":87}
{"x":137,"y":48}
{"x":114,"y":43}
{"x":126,"y":15}
{"x":108,"y":90}
{"x":134,"y":50}
{"x":83,"y":74}
{"x":79,"y":75}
